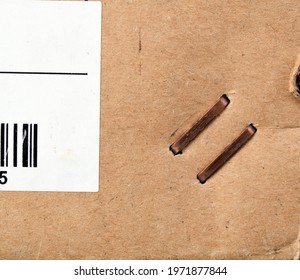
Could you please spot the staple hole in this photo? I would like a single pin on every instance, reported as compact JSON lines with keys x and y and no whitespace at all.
{"x":297,"y":81}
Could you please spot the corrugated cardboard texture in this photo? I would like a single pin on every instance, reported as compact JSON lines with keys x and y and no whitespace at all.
{"x":163,"y":62}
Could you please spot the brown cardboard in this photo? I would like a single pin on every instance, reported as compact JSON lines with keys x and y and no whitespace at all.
{"x":164,"y":62}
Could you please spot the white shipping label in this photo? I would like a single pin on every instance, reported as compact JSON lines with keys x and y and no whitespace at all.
{"x":50,"y":95}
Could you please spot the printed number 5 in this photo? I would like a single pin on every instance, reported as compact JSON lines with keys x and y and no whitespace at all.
{"x":3,"y":178}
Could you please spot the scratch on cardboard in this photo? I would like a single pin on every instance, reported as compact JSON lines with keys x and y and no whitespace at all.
{"x":140,"y":50}
{"x":39,"y":250}
{"x":140,"y":40}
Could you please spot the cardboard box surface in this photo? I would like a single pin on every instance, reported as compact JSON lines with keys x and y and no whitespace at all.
{"x":162,"y":63}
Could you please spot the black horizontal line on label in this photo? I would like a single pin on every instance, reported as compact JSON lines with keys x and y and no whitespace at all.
{"x":43,"y":73}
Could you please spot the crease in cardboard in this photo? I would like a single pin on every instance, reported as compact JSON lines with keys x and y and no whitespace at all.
{"x":297,"y":253}
{"x":293,"y":247}
{"x":279,"y":127}
{"x":290,"y":250}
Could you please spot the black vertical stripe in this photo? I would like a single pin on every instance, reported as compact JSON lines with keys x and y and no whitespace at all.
{"x":25,"y":145}
{"x":2,"y":144}
{"x":6,"y":146}
{"x":30,"y":146}
{"x":35,"y":145}
{"x":15,"y":145}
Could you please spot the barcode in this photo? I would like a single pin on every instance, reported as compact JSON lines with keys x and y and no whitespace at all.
{"x":18,"y":145}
